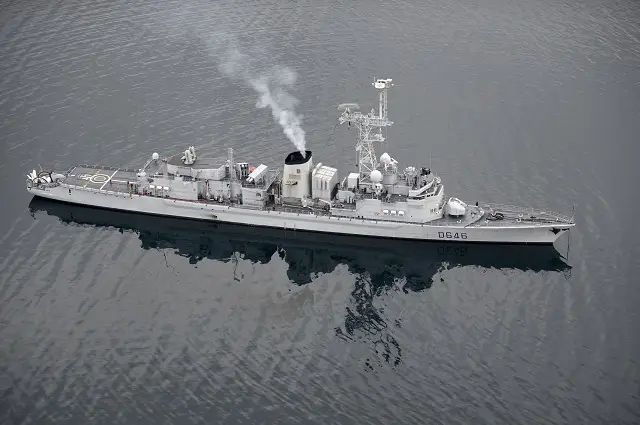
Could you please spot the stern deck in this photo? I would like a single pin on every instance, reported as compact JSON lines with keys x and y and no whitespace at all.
{"x":101,"y":178}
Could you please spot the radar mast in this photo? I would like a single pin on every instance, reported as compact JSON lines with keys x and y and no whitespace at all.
{"x":366,"y":124}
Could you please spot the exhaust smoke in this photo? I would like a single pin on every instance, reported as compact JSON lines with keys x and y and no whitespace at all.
{"x":271,"y":84}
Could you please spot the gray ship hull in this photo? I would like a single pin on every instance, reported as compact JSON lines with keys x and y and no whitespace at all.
{"x":506,"y":233}
{"x":307,"y":254}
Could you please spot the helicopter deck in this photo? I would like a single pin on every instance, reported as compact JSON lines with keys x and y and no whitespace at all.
{"x":101,"y":178}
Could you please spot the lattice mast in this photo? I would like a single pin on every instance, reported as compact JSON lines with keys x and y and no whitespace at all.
{"x":366,"y":124}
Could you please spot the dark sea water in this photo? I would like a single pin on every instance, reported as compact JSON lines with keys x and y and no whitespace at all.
{"x":111,"y":318}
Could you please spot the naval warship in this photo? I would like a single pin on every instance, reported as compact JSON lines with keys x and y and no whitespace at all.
{"x":381,"y":199}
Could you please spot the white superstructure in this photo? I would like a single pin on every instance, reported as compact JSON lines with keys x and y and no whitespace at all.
{"x":381,"y":199}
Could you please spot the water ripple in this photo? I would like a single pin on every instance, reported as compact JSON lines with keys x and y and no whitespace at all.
{"x":110,"y":318}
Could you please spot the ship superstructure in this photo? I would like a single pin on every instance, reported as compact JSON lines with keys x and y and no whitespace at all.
{"x":381,"y":199}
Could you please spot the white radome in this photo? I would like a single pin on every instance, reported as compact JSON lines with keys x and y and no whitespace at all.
{"x":155,"y":156}
{"x":385,"y":158}
{"x":376,"y":176}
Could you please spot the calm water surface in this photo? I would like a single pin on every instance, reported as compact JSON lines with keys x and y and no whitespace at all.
{"x":112,"y":318}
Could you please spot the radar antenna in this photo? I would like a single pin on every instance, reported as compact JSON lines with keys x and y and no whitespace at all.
{"x":366,"y":124}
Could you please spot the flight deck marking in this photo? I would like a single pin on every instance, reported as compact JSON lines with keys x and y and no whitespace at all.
{"x":121,"y":181}
{"x":85,"y":185}
{"x":94,"y":178}
{"x":108,"y":179}
{"x":99,"y":178}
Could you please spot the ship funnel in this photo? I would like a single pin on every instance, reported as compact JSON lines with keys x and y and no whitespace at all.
{"x":297,"y":158}
{"x":296,"y":176}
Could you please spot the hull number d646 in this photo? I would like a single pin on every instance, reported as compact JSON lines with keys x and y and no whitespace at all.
{"x":452,"y":235}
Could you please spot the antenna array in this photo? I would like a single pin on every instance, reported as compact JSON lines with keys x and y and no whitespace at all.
{"x":366,"y":124}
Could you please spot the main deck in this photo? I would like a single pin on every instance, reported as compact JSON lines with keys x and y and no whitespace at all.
{"x":120,"y":181}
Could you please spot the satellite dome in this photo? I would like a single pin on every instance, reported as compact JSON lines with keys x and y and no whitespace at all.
{"x":376,"y":176}
{"x":385,"y":158}
{"x":155,"y":156}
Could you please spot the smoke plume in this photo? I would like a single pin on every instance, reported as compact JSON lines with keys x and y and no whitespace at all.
{"x":271,"y":84}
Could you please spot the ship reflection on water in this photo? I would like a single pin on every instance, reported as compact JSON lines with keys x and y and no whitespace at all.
{"x":378,"y":264}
